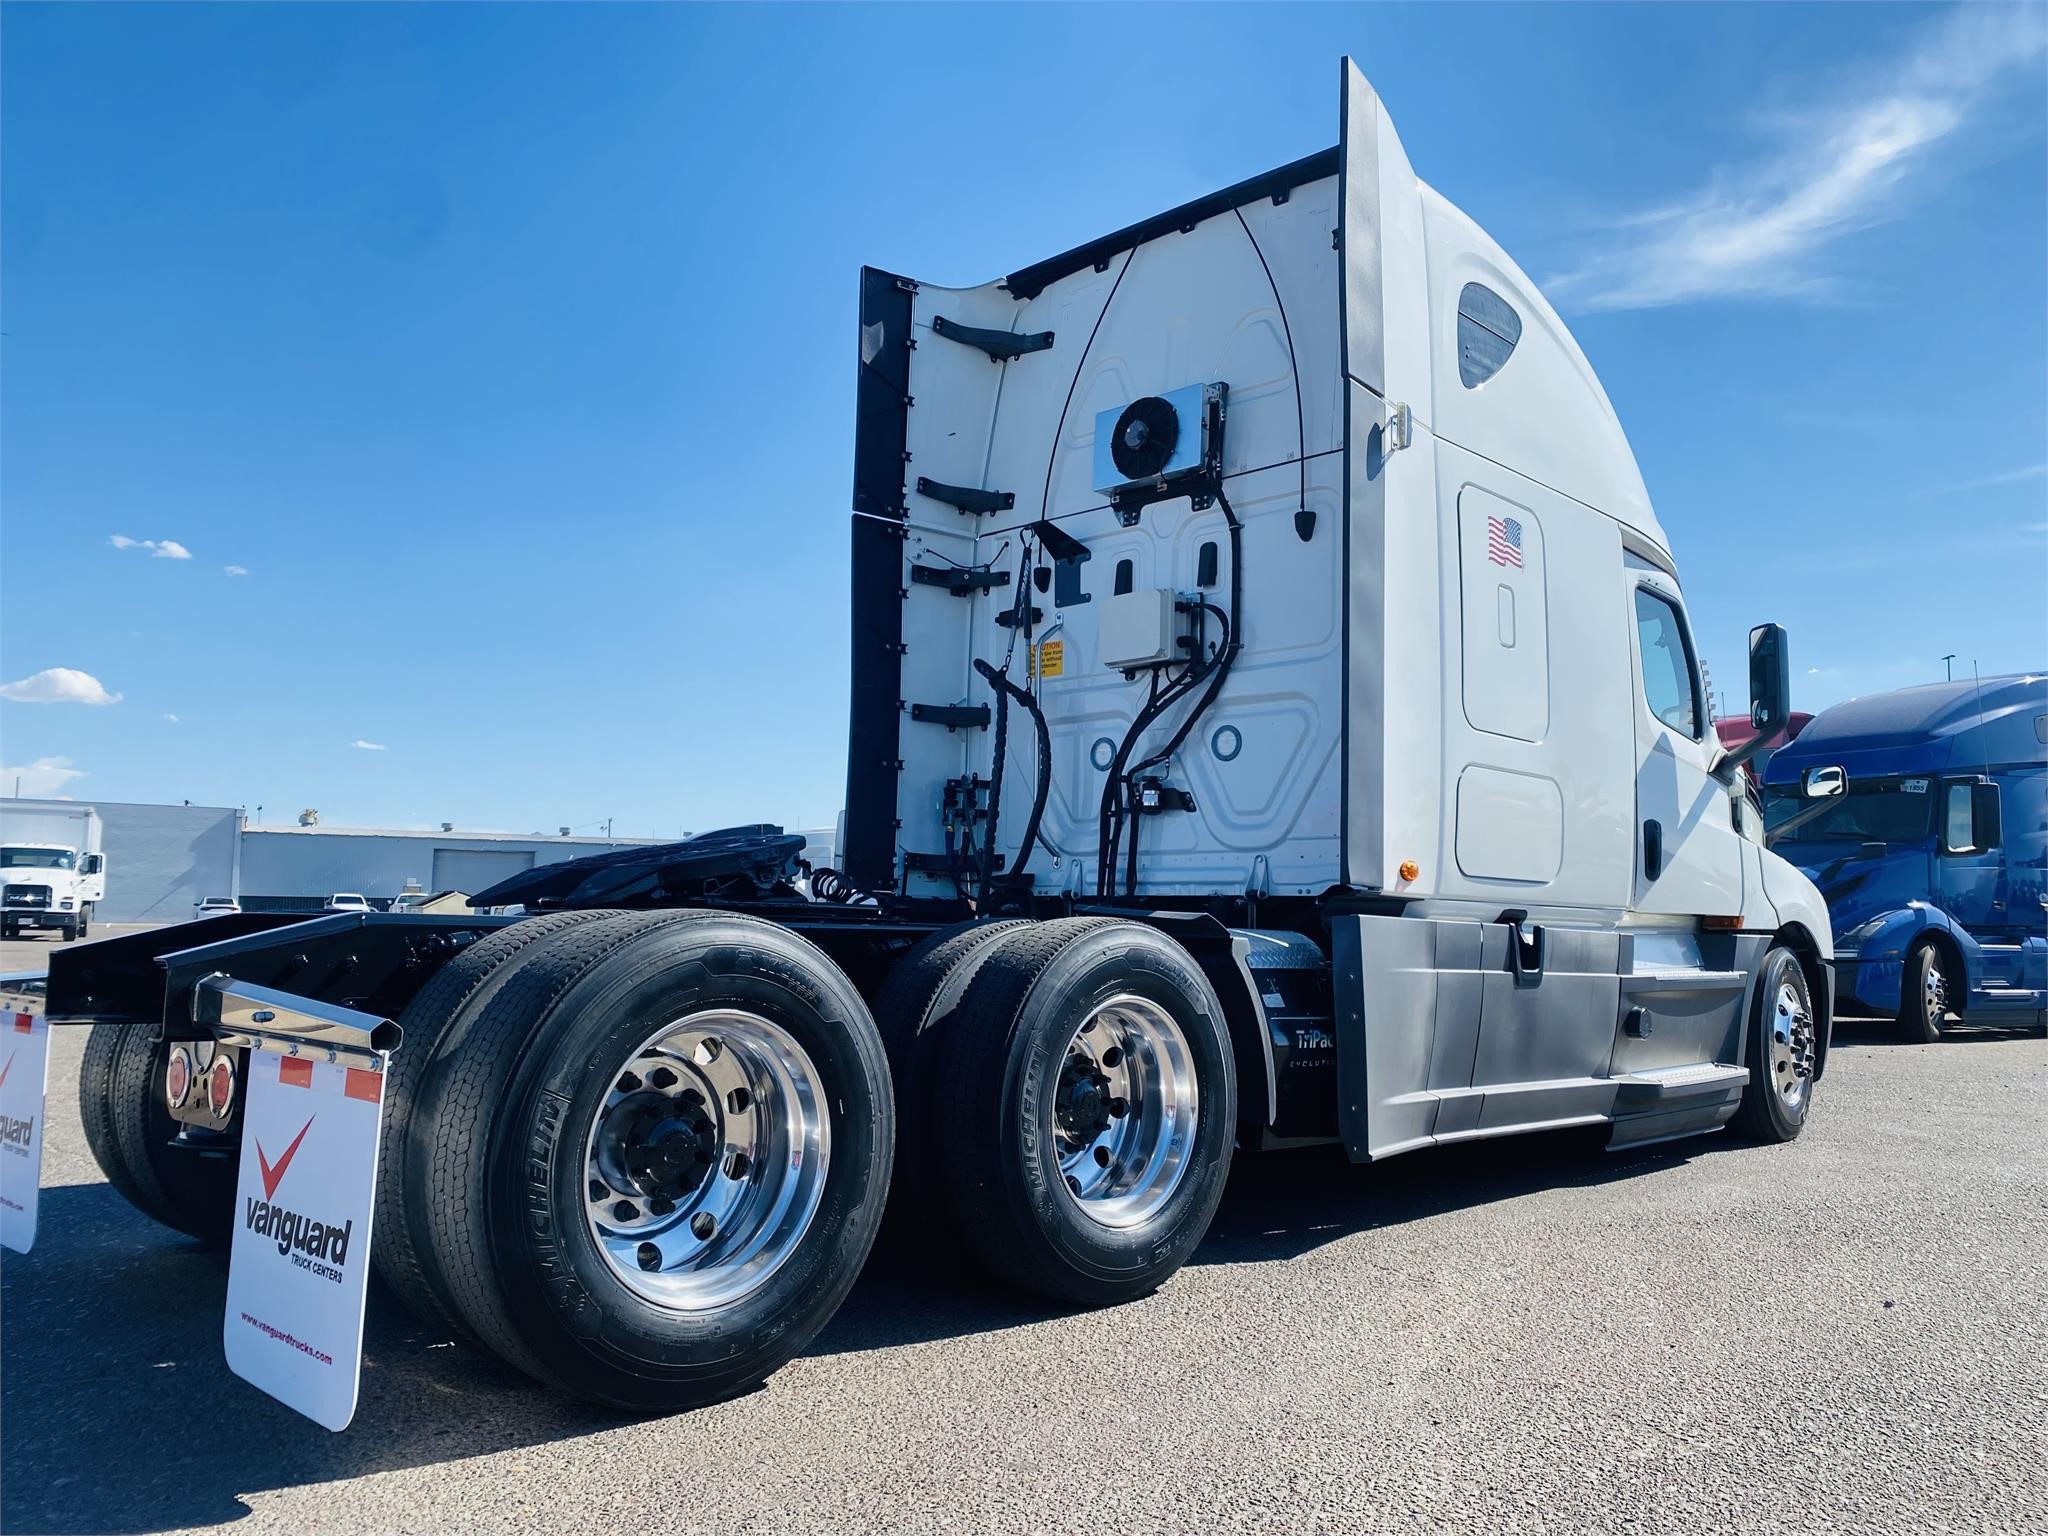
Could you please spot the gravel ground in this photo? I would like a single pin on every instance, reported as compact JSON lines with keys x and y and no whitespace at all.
{"x":1846,"y":1334}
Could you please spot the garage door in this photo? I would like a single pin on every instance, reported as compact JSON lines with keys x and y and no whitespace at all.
{"x":470,"y":870}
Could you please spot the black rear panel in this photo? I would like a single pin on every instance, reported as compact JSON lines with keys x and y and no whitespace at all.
{"x":868,"y":850}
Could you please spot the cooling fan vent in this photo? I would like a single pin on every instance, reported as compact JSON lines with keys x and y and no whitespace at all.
{"x":1143,"y":441}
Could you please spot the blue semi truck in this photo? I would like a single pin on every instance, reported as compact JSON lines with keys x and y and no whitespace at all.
{"x":1922,"y":815}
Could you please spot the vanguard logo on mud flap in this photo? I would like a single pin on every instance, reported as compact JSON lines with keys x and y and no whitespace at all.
{"x":15,"y":1132}
{"x":310,"y":1243}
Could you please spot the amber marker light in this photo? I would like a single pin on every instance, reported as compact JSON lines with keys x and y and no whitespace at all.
{"x":1410,"y":869}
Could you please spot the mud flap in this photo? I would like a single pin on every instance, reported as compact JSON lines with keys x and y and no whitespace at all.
{"x":24,"y":1073}
{"x":299,"y":1267}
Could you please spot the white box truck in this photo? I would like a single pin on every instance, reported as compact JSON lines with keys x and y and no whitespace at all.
{"x":53,"y":871}
{"x":1275,"y":720}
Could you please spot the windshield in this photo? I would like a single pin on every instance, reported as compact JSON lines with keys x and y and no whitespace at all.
{"x":37,"y":858}
{"x":1894,"y":810}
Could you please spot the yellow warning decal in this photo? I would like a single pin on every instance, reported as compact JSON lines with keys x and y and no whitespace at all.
{"x":1052,"y":659}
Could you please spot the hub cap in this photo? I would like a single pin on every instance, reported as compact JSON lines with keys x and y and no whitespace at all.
{"x":1124,"y":1111}
{"x":706,"y":1161}
{"x":1792,"y":1045}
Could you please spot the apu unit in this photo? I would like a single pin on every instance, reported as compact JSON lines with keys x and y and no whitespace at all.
{"x":1155,"y":446}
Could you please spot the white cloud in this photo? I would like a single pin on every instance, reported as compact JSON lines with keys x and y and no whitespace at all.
{"x":1985,"y":482}
{"x":1757,"y":229}
{"x":236,"y":570}
{"x":172,"y":718}
{"x":41,"y":779}
{"x":161,"y":549}
{"x":369,"y":746}
{"x":58,"y":685}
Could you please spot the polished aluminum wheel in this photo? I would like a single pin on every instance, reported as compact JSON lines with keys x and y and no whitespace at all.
{"x":1125,"y":1111}
{"x":707,"y":1159}
{"x":1934,"y":991}
{"x":1792,"y":1045}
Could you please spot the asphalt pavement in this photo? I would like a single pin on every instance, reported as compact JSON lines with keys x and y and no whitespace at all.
{"x":1849,"y":1333}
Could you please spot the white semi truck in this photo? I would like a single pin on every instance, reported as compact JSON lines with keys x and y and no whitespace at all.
{"x":1275,"y":720}
{"x":52,"y":873}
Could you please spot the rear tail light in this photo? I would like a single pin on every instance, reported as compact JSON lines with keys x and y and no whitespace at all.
{"x":178,"y":1077}
{"x":220,"y":1086}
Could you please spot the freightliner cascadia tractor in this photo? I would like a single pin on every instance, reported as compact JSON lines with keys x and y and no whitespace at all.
{"x":1275,"y":721}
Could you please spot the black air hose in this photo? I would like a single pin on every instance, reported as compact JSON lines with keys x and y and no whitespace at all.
{"x":1006,"y":690}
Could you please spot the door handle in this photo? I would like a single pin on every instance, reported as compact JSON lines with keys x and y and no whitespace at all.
{"x":1653,"y":849}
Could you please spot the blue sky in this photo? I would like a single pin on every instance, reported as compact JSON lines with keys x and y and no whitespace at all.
{"x":474,"y":384}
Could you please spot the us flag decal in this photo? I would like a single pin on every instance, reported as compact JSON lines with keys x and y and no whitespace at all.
{"x":1504,"y":541}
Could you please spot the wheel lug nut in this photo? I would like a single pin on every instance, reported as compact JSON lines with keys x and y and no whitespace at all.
{"x":599,"y":1189}
{"x":629,"y":1083}
{"x":703,"y":1224}
{"x":662,"y":1078}
{"x":660,"y":1205}
{"x":649,"y":1256}
{"x":626,"y":1210}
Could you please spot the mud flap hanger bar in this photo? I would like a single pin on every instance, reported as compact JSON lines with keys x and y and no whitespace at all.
{"x":265,"y":1019}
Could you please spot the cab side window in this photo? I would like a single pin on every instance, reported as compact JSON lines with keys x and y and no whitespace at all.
{"x":1665,"y":652}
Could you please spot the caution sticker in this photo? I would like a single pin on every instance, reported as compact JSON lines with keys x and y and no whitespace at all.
{"x":24,"y":1067}
{"x":299,"y":1269}
{"x":1052,"y":659}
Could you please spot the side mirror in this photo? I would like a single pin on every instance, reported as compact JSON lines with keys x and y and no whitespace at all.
{"x":1984,"y":811}
{"x":1770,"y":695}
{"x":1823,"y":783}
{"x":92,"y":864}
{"x":1770,"y":681}
{"x":1972,"y":821}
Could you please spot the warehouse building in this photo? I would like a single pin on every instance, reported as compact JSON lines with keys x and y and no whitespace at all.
{"x":161,"y":859}
{"x":285,"y":867}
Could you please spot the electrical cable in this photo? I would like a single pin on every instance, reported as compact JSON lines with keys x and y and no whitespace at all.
{"x":1286,"y":331}
{"x":1008,"y":689}
{"x":1217,"y":672}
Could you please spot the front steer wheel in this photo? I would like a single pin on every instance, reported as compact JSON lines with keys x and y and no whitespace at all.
{"x":1783,"y":1046}
{"x":660,"y":1186}
{"x":1927,"y":995}
{"x":1084,"y":1106}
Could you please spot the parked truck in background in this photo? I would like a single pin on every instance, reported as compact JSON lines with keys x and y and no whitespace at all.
{"x":1922,"y":815}
{"x":53,"y":871}
{"x":1275,"y":721}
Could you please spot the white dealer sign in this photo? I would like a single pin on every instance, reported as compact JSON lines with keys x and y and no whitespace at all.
{"x":299,"y":1269}
{"x":24,"y":1064}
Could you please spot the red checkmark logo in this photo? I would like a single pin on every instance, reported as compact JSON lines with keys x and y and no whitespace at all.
{"x":6,"y":1069}
{"x":273,"y":1173}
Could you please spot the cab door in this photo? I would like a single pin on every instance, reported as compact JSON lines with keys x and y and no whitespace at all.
{"x":1688,"y":852}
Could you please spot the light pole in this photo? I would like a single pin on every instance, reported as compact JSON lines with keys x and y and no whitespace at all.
{"x":1948,"y":666}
